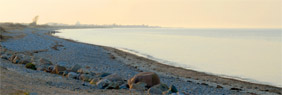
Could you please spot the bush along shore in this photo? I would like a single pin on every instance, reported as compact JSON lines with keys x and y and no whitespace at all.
{"x":148,"y":82}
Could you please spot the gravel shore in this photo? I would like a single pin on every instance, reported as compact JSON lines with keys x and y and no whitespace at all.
{"x":101,"y":59}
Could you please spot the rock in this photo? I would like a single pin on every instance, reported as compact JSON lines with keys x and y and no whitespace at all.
{"x":218,"y":86}
{"x":83,"y":71}
{"x":75,"y":68}
{"x":5,"y":56}
{"x":44,"y":61}
{"x":41,"y":68}
{"x":86,"y":77}
{"x":110,"y":82}
{"x":30,"y":66}
{"x":94,"y":81}
{"x":72,"y":75}
{"x":16,"y":59}
{"x":50,"y":69}
{"x":140,"y":86}
{"x":58,"y":69}
{"x":149,"y":78}
{"x":65,"y":73}
{"x":237,"y":89}
{"x":11,"y":58}
{"x":168,"y":92}
{"x":173,"y":89}
{"x":158,"y":89}
{"x":124,"y":86}
{"x":103,"y":74}
{"x":26,"y":59}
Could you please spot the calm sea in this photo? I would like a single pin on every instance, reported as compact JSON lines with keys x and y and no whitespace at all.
{"x":247,"y":54}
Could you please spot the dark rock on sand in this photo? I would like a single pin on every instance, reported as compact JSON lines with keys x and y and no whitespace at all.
{"x":237,"y":89}
{"x":150,"y":78}
{"x":173,"y":89}
{"x":158,"y":89}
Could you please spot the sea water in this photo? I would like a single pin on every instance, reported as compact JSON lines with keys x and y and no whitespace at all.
{"x":252,"y":55}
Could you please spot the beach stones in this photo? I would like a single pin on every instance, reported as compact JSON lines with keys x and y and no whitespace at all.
{"x":83,"y":71}
{"x":86,"y":77}
{"x":11,"y":58}
{"x":103,"y":74}
{"x":58,"y":69}
{"x":75,"y":68}
{"x":44,"y":61}
{"x":158,"y":89}
{"x":72,"y":75}
{"x":140,"y":86}
{"x":110,"y":82}
{"x":150,"y":78}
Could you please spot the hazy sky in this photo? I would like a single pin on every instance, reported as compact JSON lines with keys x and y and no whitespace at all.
{"x":168,"y":13}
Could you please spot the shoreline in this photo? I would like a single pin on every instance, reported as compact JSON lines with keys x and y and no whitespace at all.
{"x":200,"y":77}
{"x":189,"y":79}
{"x":170,"y":64}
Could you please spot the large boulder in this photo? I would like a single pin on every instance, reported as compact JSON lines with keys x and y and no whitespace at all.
{"x":158,"y":89}
{"x":110,"y":82}
{"x":150,"y":78}
{"x":57,"y":69}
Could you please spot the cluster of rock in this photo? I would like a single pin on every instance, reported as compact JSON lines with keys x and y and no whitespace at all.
{"x":144,"y":81}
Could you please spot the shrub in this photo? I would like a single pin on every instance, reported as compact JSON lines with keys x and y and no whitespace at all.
{"x":30,"y":66}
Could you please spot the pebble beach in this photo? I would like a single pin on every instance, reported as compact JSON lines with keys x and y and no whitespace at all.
{"x":100,"y":63}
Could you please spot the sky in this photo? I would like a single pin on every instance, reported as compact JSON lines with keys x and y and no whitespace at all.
{"x":166,"y":13}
